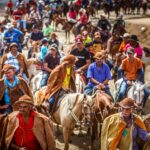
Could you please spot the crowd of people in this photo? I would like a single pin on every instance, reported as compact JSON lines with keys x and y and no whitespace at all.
{"x":27,"y":25}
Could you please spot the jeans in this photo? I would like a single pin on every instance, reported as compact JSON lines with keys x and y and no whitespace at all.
{"x":44,"y":80}
{"x":51,"y":101}
{"x":122,"y":91}
{"x":89,"y":89}
{"x":146,"y":95}
{"x":119,"y":73}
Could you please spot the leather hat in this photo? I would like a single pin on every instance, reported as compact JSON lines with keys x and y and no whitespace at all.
{"x":24,"y":99}
{"x":7,"y":67}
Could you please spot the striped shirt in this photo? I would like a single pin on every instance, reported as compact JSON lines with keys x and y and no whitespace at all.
{"x":13,"y":61}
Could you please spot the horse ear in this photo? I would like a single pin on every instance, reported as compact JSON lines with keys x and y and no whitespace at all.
{"x":143,"y":86}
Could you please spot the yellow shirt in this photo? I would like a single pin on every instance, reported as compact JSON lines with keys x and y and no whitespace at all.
{"x":67,"y":79}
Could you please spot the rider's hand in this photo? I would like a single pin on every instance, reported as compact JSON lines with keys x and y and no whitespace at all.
{"x":23,"y":148}
{"x":100,"y":86}
{"x":4,"y":106}
{"x":79,"y":71}
{"x":129,"y":82}
{"x":20,"y":74}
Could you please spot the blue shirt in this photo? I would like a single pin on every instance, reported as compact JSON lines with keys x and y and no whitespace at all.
{"x":44,"y":51}
{"x":98,"y":73}
{"x":14,"y":34}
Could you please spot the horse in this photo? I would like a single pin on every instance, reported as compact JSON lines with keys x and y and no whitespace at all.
{"x":106,"y":7}
{"x":135,"y":91}
{"x":69,"y":111}
{"x":66,"y":26}
{"x":2,"y":119}
{"x":32,"y":68}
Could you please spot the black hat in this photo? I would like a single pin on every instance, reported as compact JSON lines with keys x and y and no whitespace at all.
{"x":134,"y":38}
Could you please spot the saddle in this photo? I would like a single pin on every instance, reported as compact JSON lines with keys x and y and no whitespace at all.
{"x":59,"y":95}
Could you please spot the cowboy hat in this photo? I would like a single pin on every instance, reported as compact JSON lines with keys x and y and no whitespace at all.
{"x":127,"y":103}
{"x":13,"y":44}
{"x":134,"y":38}
{"x":70,"y":59}
{"x":9,"y":25}
{"x":7,"y":67}
{"x":24,"y":99}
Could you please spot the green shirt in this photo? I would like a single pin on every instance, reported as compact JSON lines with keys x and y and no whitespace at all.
{"x":47,"y":30}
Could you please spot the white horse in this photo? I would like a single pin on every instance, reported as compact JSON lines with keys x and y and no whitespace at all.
{"x":136,"y":91}
{"x":69,"y":113}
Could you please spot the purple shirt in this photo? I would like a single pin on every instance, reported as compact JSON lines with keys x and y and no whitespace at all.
{"x":137,"y":132}
{"x":98,"y":73}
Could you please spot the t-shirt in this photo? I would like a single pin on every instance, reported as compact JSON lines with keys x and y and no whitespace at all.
{"x":82,"y":57}
{"x":67,"y":79}
{"x":36,"y":36}
{"x":44,"y":50}
{"x":100,"y":74}
{"x":131,"y":68}
{"x":51,"y":61}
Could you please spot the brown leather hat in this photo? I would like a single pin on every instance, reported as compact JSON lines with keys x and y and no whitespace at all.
{"x":70,"y":59}
{"x":7,"y":67}
{"x":24,"y":99}
{"x":99,"y":55}
{"x":127,"y":103}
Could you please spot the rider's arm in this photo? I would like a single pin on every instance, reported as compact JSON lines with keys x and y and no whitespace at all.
{"x":94,"y":81}
{"x":108,"y":23}
{"x":88,"y":61}
{"x":90,"y":75}
{"x":107,"y":75}
{"x":47,"y":68}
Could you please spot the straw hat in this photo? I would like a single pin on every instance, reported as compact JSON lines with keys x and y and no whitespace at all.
{"x":7,"y":67}
{"x":24,"y":99}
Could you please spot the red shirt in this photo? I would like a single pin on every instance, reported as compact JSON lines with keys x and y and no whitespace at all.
{"x":9,"y":4}
{"x":17,"y":14}
{"x":72,"y":14}
{"x":24,"y":136}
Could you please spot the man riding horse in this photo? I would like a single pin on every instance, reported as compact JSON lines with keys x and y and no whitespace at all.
{"x":98,"y":75}
{"x":61,"y":80}
{"x":132,"y":70}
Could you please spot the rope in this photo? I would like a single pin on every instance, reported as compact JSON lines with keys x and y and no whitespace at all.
{"x":72,"y":113}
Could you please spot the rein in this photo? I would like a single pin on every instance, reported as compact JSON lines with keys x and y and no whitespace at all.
{"x":84,"y":104}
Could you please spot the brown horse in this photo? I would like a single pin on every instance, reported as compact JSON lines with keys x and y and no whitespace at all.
{"x":66,"y":26}
{"x":102,"y":108}
{"x":2,"y":119}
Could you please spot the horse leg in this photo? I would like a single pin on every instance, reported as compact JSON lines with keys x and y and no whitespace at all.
{"x":69,"y":36}
{"x":66,"y":37}
{"x":66,"y":135}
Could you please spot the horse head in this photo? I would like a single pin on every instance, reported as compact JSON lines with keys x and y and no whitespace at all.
{"x":137,"y":92}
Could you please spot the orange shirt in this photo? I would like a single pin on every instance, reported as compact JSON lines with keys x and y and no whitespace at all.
{"x":131,"y":68}
{"x":24,"y":136}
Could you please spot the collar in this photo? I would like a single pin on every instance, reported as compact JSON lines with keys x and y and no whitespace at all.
{"x":10,"y":55}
